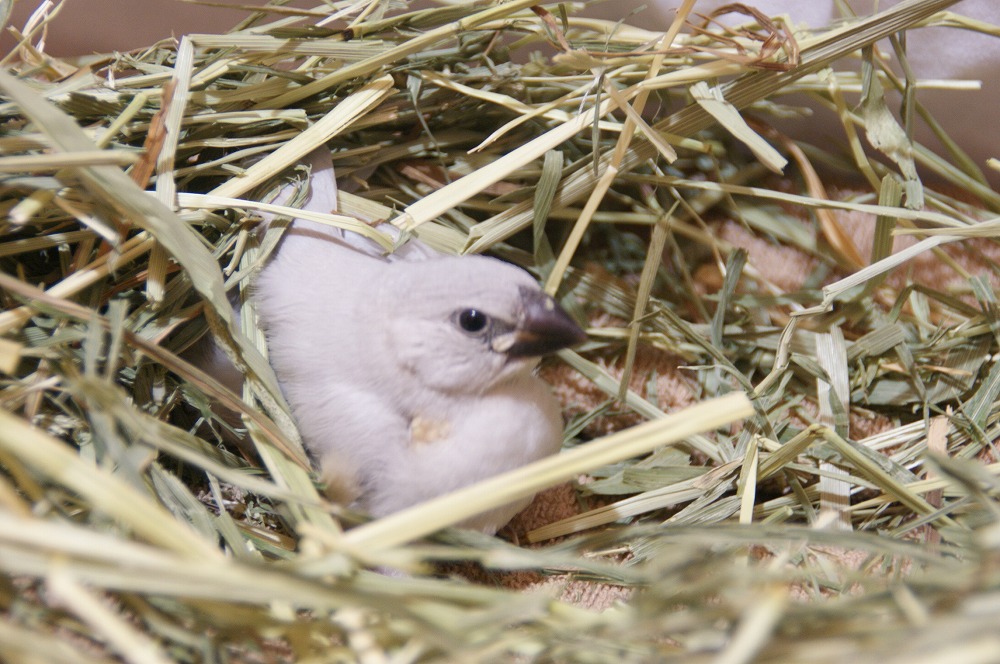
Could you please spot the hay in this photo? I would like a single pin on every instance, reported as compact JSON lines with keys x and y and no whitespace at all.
{"x":852,"y":512}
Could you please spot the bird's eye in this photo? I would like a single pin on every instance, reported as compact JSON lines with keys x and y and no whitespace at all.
{"x":473,"y":320}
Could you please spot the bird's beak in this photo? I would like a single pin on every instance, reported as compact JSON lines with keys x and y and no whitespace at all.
{"x":542,"y":327}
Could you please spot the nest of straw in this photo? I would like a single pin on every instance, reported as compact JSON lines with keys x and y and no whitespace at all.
{"x":851,"y":511}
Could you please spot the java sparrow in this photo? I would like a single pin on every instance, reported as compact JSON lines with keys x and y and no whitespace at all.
{"x":409,"y":374}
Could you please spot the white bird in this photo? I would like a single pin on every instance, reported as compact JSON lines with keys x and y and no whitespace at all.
{"x":411,"y":374}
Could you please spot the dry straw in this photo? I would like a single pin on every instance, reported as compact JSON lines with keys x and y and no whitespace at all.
{"x":757,"y":525}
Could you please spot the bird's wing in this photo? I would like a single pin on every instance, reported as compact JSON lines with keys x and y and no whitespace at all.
{"x":322,"y":198}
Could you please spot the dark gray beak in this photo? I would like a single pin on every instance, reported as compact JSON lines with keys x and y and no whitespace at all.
{"x":542,"y":327}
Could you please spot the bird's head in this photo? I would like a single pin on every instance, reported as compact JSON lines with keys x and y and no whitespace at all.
{"x":462,"y":325}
